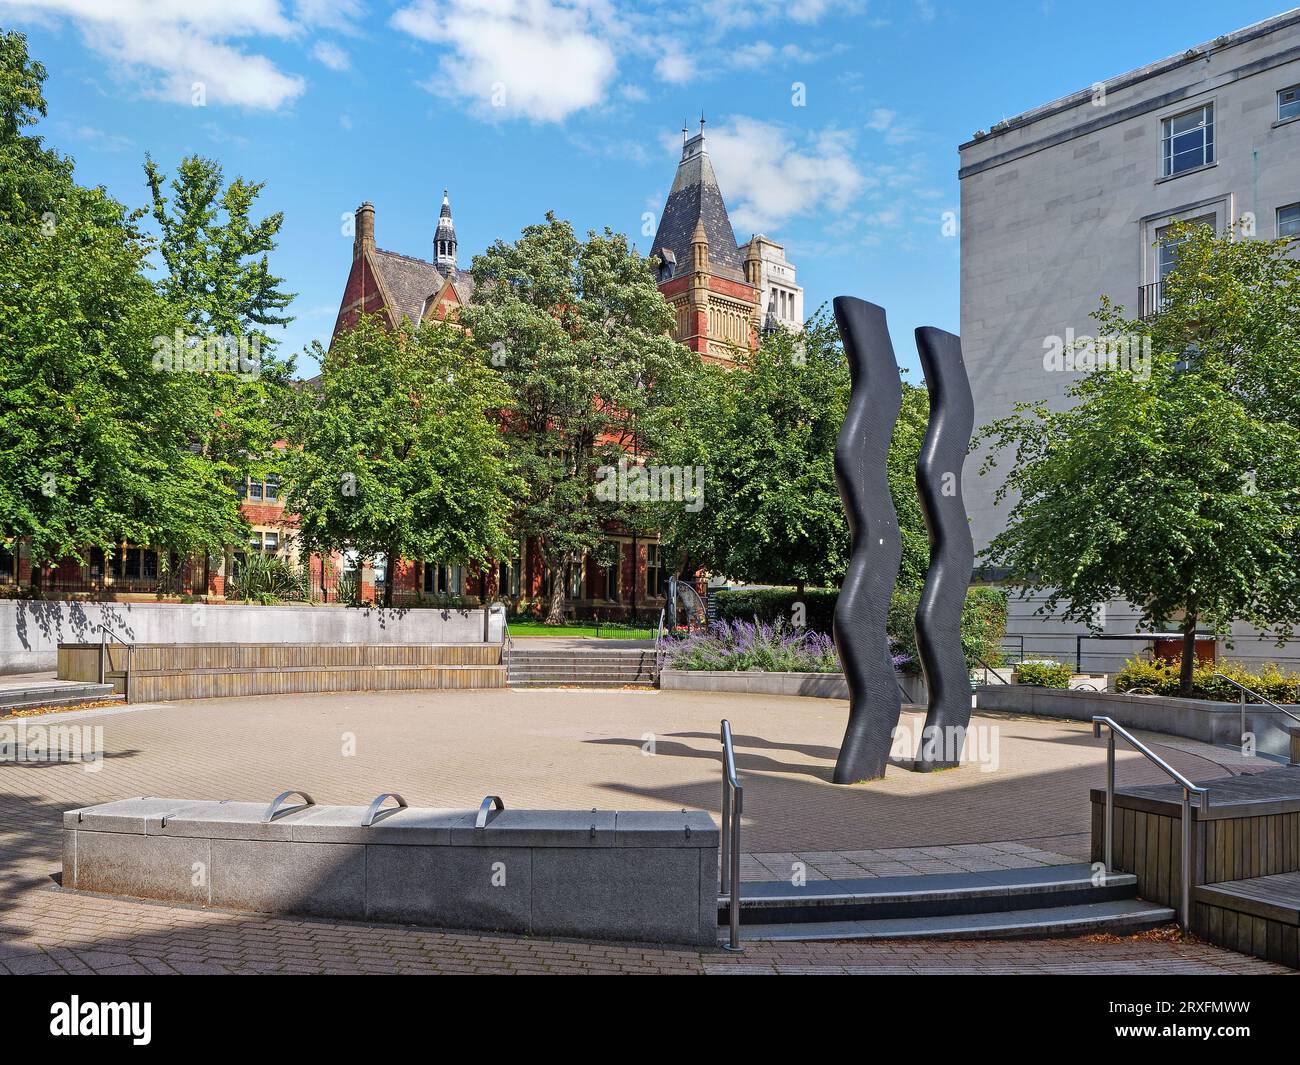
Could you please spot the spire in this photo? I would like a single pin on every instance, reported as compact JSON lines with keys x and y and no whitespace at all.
{"x":444,"y":239}
{"x":695,"y":201}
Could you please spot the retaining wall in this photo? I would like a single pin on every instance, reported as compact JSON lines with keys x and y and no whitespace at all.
{"x":30,"y":631}
{"x":639,"y":875}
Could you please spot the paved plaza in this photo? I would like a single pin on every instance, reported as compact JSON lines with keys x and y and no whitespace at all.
{"x":568,"y":749}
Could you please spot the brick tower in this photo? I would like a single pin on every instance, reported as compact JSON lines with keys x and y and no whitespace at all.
{"x":713,"y":287}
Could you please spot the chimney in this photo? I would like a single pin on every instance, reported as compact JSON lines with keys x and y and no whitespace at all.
{"x":364,"y":239}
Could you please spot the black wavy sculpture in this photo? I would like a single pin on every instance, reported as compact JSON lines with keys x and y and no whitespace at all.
{"x":861,"y":471}
{"x":952,"y":552}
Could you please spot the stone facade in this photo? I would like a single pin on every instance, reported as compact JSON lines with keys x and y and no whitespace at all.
{"x":1067,"y":202}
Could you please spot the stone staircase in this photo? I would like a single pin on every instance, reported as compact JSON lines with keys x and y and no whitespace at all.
{"x":1057,"y":900}
{"x":55,"y":694}
{"x":581,"y":667}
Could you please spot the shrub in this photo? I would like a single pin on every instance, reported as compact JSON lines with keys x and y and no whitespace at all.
{"x":745,"y":645}
{"x":1044,"y":673}
{"x":1161,"y":677}
{"x":983,"y":622}
{"x":268,"y":579}
{"x":771,"y":605}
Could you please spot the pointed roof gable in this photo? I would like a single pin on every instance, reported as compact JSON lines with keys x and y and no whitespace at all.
{"x":696,"y":200}
{"x":407,"y":281}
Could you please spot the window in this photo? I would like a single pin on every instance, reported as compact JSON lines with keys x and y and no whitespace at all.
{"x":1168,"y":251}
{"x":1188,"y":140}
{"x":1288,"y":104}
{"x":260,"y":490}
{"x":578,"y":579}
{"x":442,"y":580}
{"x":655,"y":577}
{"x":1288,"y":220}
{"x":611,"y":575}
{"x":268,"y":542}
{"x":8,"y":565}
{"x":508,"y":574}
{"x":134,"y":563}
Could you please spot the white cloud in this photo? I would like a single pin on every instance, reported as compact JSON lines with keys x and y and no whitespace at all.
{"x":884,"y":121}
{"x":539,"y":59}
{"x":769,"y":176}
{"x":674,"y":66}
{"x":170,"y":46}
{"x":331,"y":55}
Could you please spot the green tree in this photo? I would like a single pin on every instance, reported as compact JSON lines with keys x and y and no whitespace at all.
{"x":1174,"y":482}
{"x":94,"y":444}
{"x":400,"y":450}
{"x":216,"y":272}
{"x":579,"y":333}
{"x":765,"y":432}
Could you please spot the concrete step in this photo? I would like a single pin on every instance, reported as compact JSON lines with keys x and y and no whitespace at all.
{"x":561,"y":683}
{"x":928,"y":895}
{"x":1119,"y":916}
{"x":63,"y":695}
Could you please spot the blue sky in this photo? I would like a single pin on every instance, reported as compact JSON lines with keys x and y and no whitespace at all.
{"x":575,"y":106}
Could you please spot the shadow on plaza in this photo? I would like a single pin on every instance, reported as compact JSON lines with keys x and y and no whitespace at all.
{"x":791,"y":806}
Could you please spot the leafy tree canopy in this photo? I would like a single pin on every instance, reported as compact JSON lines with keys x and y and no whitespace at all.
{"x":1174,"y":480}
{"x":401,"y":453}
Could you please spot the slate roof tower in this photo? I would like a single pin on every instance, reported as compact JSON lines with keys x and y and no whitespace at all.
{"x":713,"y":287}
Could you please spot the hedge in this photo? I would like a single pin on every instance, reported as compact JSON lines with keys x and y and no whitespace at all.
{"x":983,"y":620}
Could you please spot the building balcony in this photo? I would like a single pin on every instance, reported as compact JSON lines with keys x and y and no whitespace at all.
{"x":1151,"y":300}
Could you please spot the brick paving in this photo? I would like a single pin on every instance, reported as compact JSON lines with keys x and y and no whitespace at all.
{"x":576,"y":749}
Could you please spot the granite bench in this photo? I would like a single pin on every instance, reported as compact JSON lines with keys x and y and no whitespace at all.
{"x":638,"y":875}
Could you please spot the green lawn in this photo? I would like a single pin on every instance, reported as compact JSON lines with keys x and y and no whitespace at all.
{"x":604,"y":630}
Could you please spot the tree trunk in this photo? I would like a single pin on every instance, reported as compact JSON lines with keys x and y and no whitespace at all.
{"x":1189,"y":656}
{"x":799,"y":589}
{"x":555,"y":615}
{"x":390,"y":572}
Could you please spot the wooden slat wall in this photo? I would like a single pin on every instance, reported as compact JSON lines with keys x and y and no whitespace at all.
{"x":228,"y":683}
{"x":1271,"y":940}
{"x":208,"y":671}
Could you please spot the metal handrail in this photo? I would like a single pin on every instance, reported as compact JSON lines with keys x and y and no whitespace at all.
{"x":274,"y":808}
{"x":1189,"y":789}
{"x":480,"y":821}
{"x":1251,"y":691}
{"x":989,"y":669}
{"x":377,"y":802}
{"x":507,"y":641}
{"x":733,"y":801}
{"x":104,"y":633}
{"x":659,"y":636}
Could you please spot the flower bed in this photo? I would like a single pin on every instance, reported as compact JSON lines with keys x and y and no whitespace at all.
{"x":733,"y":646}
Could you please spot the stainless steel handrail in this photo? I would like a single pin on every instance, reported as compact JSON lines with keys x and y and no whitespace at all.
{"x":733,"y":801}
{"x":274,"y":808}
{"x":659,"y":636}
{"x":377,"y":802}
{"x":104,"y":633}
{"x":507,"y":641}
{"x":1251,"y":691}
{"x":1189,"y":789}
{"x":480,"y":821}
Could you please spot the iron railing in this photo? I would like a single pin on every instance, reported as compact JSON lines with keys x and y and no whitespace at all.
{"x":1151,"y":300}
{"x":733,"y":801}
{"x":1189,"y":789}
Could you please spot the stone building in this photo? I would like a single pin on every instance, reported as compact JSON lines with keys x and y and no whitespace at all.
{"x":1072,"y":200}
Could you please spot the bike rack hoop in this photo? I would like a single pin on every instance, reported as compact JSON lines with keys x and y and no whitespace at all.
{"x":277,"y":802}
{"x":373,"y":812}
